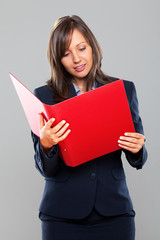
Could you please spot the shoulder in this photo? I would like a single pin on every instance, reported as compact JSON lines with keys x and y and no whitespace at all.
{"x":129,"y":88}
{"x":130,"y":91}
{"x":127,"y":84}
{"x":45,"y":94}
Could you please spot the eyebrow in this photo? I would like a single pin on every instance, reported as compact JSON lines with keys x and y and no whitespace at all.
{"x":80,"y":43}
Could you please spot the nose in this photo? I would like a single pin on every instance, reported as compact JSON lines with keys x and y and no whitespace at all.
{"x":76,"y":57}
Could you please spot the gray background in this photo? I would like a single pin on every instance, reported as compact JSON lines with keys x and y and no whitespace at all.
{"x":129,"y":35}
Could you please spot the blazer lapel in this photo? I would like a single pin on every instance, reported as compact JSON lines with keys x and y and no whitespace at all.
{"x":98,"y":84}
{"x":72,"y":92}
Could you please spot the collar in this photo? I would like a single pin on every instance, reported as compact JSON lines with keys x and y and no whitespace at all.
{"x":78,"y":90}
{"x":73,"y":93}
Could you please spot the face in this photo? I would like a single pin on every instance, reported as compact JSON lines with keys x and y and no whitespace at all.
{"x":77,"y":60}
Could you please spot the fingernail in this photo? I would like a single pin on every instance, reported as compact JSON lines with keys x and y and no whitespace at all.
{"x":63,"y":122}
{"x":120,"y":137}
{"x":125,"y":134}
{"x":67,"y":124}
{"x":53,"y":119}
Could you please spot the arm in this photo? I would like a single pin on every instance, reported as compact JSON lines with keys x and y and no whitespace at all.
{"x":137,"y":154}
{"x":46,"y":164}
{"x":46,"y":155}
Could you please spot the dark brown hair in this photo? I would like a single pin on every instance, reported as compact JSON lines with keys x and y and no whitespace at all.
{"x":59,"y":41}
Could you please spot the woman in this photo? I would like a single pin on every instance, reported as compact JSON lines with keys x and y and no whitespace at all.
{"x":89,"y":201}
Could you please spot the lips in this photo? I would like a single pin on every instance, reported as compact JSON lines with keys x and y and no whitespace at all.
{"x":80,"y":68}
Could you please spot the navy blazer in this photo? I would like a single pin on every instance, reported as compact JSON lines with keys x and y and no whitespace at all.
{"x":72,"y":192}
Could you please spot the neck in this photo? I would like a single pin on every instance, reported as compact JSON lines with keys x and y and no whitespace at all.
{"x":81,"y":84}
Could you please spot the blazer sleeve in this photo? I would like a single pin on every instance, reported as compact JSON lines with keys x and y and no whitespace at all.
{"x":136,"y":160}
{"x":46,"y":164}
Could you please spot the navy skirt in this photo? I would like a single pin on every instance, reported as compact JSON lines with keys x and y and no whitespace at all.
{"x":93,"y":227}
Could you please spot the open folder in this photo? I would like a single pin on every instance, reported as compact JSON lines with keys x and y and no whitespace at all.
{"x":97,"y":119}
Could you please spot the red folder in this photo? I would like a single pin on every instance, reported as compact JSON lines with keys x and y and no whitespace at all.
{"x":97,"y":119}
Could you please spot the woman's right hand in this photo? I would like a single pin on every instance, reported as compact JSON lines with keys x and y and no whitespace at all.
{"x":49,"y":135}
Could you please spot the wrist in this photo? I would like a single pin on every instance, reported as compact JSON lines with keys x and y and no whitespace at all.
{"x":46,"y":147}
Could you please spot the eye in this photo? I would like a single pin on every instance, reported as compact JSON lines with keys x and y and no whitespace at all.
{"x":82,"y":49}
{"x":66,"y":54}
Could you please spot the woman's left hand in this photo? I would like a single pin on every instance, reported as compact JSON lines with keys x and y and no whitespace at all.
{"x":132,"y":142}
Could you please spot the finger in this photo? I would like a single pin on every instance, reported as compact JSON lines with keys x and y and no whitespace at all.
{"x":64,"y":135}
{"x":133,"y":147}
{"x":128,"y":144}
{"x":129,"y":139}
{"x":135,"y":135}
{"x":49,"y":123}
{"x":41,"y":121}
{"x":133,"y":150}
{"x":58,"y":126}
{"x":62,"y":130}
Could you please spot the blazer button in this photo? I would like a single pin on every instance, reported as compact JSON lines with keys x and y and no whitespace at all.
{"x":93,"y":176}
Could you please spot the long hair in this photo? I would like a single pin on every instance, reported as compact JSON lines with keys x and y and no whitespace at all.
{"x":59,"y":40}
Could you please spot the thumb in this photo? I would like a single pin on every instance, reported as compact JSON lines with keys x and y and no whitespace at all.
{"x":41,"y":121}
{"x":49,"y":123}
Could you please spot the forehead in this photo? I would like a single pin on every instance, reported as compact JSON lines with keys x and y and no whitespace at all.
{"x":76,"y":38}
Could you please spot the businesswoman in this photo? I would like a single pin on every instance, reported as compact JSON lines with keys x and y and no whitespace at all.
{"x":90,"y":201}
